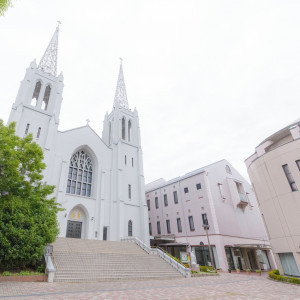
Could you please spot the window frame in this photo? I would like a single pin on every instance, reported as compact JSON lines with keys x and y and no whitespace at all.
{"x":290,"y":178}
{"x":179,"y":225}
{"x":175,"y":198}
{"x":156,"y":203}
{"x":168,"y":225}
{"x":165,"y":200}
{"x":191,"y":223}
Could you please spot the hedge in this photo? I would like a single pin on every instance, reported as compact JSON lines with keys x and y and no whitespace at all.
{"x":274,"y":274}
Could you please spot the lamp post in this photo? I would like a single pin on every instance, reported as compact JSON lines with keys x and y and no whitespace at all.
{"x":206,"y":227}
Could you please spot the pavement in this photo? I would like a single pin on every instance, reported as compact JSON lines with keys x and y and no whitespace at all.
{"x":225,"y":286}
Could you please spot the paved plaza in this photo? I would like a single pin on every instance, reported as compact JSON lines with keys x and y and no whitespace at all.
{"x":225,"y":286}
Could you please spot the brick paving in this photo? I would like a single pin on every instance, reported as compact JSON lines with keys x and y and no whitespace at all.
{"x":225,"y":286}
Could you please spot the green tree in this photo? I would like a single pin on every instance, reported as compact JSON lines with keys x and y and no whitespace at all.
{"x":4,"y":5}
{"x":27,"y":213}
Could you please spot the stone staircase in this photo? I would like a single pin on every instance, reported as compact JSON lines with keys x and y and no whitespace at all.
{"x":79,"y":260}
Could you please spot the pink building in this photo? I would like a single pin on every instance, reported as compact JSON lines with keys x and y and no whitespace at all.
{"x":216,"y":195}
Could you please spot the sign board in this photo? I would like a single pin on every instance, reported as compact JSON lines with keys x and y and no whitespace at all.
{"x":184,"y":257}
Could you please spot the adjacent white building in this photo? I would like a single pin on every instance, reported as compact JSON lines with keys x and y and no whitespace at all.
{"x":216,"y":195}
{"x":99,"y":181}
{"x":274,"y":170}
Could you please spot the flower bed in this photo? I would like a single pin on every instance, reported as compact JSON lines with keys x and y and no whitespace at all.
{"x":274,"y":274}
{"x":23,"y":276}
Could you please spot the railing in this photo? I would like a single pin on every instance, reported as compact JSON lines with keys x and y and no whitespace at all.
{"x":178,"y":266}
{"x":49,"y":263}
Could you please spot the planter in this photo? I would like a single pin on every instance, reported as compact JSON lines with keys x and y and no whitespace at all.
{"x":238,"y":271}
{"x":29,"y":278}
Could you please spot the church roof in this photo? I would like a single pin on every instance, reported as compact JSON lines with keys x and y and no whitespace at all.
{"x":48,"y":63}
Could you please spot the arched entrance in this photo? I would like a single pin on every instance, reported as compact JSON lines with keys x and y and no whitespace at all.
{"x":76,"y":224}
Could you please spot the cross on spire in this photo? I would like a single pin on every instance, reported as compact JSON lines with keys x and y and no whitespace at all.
{"x":48,"y":63}
{"x":120,"y":95}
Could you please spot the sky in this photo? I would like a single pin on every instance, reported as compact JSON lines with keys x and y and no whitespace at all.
{"x":210,"y":79}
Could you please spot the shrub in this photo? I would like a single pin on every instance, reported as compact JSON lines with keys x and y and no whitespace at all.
{"x":6,"y":273}
{"x":276,"y":275}
{"x":258,"y":271}
{"x":40,"y":269}
{"x":207,"y":269}
{"x":23,"y":273}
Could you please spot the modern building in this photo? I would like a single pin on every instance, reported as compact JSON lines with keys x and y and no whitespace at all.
{"x":274,"y":171}
{"x":99,"y":181}
{"x":218,"y":196}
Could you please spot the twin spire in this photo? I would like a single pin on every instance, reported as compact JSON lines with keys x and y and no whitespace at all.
{"x":120,"y":95}
{"x":48,"y":64}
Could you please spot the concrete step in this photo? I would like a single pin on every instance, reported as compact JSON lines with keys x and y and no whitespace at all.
{"x":80,"y":260}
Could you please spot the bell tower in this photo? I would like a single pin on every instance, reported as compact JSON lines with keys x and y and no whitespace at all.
{"x":121,"y":132}
{"x":37,"y":106}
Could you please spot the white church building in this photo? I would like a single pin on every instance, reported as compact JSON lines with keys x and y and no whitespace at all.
{"x":99,"y":181}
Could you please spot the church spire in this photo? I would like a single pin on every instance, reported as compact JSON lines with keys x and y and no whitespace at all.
{"x":120,"y":95}
{"x":48,"y":63}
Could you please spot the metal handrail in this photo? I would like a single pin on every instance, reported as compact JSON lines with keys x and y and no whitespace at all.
{"x":167,"y":254}
{"x":178,"y":266}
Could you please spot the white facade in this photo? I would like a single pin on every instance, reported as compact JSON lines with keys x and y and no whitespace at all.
{"x":99,"y":182}
{"x":274,"y":170}
{"x":216,"y":194}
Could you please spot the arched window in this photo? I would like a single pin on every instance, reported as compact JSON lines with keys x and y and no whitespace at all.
{"x":123,"y":128}
{"x":129,"y":130}
{"x":228,"y":170}
{"x":36,"y":93}
{"x":129,"y":228}
{"x":109,"y":133}
{"x":80,"y":174}
{"x":46,"y":97}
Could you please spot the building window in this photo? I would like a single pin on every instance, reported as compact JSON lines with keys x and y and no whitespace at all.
{"x":158,"y":227}
{"x":204,"y":219}
{"x":109,"y":133}
{"x":38,"y":133}
{"x":228,"y":170}
{"x":179,"y":225}
{"x":241,"y":191}
{"x":168,"y":226}
{"x":129,"y":228}
{"x":156,"y":202}
{"x":221,"y":190}
{"x":80,"y":174}
{"x":36,"y":93}
{"x":191,"y":222}
{"x":125,"y":159}
{"x":175,"y":197}
{"x":166,"y":199}
{"x":148,"y":204}
{"x":104,"y":233}
{"x":129,"y":130}
{"x":186,"y":190}
{"x":27,"y":128}
{"x":123,"y":128}
{"x":289,"y":264}
{"x":132,"y":161}
{"x":298,"y":164}
{"x":129,"y":191}
{"x":150,"y":229}
{"x":290,"y":178}
{"x":198,"y":186}
{"x":46,"y":97}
